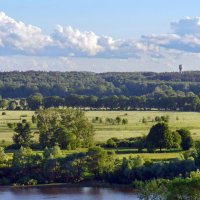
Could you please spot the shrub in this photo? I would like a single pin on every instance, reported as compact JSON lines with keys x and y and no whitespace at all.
{"x":24,"y":121}
{"x":27,"y":181}
{"x":187,"y":140}
{"x":24,"y":115}
{"x":111,"y":143}
{"x":10,"y":125}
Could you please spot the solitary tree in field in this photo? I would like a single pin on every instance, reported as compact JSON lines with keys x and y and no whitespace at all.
{"x":159,"y":137}
{"x":118,"y":119}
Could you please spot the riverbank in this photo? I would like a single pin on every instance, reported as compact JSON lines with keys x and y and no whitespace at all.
{"x":72,"y":185}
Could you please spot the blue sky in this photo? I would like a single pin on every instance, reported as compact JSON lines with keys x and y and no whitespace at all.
{"x":119,"y":18}
{"x":99,"y":35}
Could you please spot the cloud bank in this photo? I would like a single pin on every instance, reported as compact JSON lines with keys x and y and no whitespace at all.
{"x":19,"y":38}
{"x":25,"y":42}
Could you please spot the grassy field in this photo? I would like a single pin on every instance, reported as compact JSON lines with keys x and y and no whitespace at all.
{"x":12,"y":117}
{"x":135,"y":127}
{"x":104,"y":131}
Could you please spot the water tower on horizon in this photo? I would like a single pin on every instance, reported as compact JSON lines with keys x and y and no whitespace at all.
{"x":180,"y":68}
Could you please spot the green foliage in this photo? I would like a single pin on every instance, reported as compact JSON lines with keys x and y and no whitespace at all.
{"x":164,"y":91}
{"x":190,"y":154}
{"x":144,"y":120}
{"x":34,"y":101}
{"x":133,"y":143}
{"x":66,"y":139}
{"x":24,"y":121}
{"x":12,"y":105}
{"x":178,"y":188}
{"x":51,"y":153}
{"x":159,"y":137}
{"x":97,"y":120}
{"x":111,"y":143}
{"x":24,"y":115}
{"x":118,"y":120}
{"x":34,"y":119}
{"x":187,"y":141}
{"x":4,"y":103}
{"x":152,"y":190}
{"x":74,"y":167}
{"x":100,"y":161}
{"x":177,"y":139}
{"x":54,"y":124}
{"x":124,"y":121}
{"x":28,"y":181}
{"x":164,"y":118}
{"x":22,"y":103}
{"x":10,"y":125}
{"x":3,"y":157}
{"x":23,"y":134}
{"x":24,"y":158}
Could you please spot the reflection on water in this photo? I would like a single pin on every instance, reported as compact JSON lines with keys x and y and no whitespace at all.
{"x":66,"y":193}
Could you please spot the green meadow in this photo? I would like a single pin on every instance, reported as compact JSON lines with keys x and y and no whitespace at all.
{"x":135,"y":127}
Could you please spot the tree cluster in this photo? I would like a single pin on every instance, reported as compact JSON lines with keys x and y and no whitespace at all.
{"x":69,"y":128}
{"x":161,"y":137}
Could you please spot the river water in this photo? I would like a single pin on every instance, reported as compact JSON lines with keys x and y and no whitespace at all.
{"x":66,"y":193}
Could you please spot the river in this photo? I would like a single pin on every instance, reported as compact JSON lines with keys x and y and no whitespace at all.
{"x":66,"y":193}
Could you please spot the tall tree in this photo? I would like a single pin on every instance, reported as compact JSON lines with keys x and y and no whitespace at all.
{"x":159,"y":137}
{"x":23,"y":134}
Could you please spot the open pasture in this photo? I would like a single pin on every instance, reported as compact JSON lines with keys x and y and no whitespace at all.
{"x":134,"y":128}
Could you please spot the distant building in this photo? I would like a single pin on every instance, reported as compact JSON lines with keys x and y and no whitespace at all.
{"x":180,"y":68}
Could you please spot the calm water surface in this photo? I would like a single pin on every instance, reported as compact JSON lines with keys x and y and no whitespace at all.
{"x":66,"y":193}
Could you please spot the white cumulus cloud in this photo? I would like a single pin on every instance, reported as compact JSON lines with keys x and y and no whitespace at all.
{"x":26,"y":45}
{"x":76,"y":41}
{"x":18,"y":37}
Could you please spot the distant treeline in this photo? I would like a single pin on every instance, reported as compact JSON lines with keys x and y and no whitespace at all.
{"x":145,"y":90}
{"x":23,"y":84}
{"x":36,"y":101}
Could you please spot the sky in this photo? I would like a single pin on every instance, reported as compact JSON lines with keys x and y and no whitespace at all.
{"x":99,"y":35}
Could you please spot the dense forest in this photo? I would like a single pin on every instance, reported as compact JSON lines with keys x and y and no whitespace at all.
{"x":23,"y":84}
{"x":128,"y":90}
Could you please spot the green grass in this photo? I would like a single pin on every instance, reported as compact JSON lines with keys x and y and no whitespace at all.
{"x":120,"y":154}
{"x":12,"y":117}
{"x":152,"y":156}
{"x":135,"y":127}
{"x":165,"y":155}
